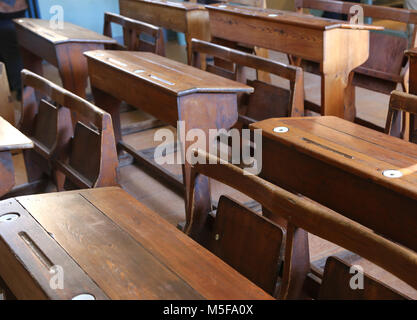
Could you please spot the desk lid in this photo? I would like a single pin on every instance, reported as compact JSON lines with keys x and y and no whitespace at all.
{"x":11,"y":138}
{"x":288,"y":17}
{"x":387,"y":160}
{"x":177,"y":78}
{"x":69,"y":33}
{"x":174,"y":4}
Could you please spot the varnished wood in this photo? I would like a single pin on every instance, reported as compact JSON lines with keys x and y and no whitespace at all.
{"x":412,"y":56}
{"x":6,"y":104}
{"x":303,"y":213}
{"x":189,"y":18}
{"x":285,"y":32}
{"x":84,"y":158}
{"x":125,"y":249}
{"x":261,"y":52}
{"x":268,"y":100}
{"x":340,"y":165}
{"x":336,"y":285}
{"x":248,"y":242}
{"x":137,"y":36}
{"x":11,"y":139}
{"x":62,"y":48}
{"x":166,"y":89}
{"x":385,"y":67}
{"x":29,"y":276}
{"x":406,"y":104}
{"x":133,"y":32}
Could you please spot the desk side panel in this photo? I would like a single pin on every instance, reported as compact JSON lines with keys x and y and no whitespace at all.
{"x":32,"y":263}
{"x":134,"y":91}
{"x":376,"y":207}
{"x":36,"y":44}
{"x":159,"y":15}
{"x":302,"y":42}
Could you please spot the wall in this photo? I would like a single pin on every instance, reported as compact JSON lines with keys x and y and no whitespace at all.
{"x":86,"y":13}
{"x":280,"y":4}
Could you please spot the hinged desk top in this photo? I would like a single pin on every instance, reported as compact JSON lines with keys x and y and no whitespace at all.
{"x":11,"y":138}
{"x":288,"y":17}
{"x":187,"y":6}
{"x":69,"y":33}
{"x":351,"y":147}
{"x":169,"y":75}
{"x":118,"y":248}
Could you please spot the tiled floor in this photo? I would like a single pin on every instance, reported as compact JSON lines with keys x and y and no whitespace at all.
{"x":170,"y":205}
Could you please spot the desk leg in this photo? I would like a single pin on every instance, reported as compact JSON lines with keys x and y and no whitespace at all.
{"x":111,"y":105}
{"x":72,"y":66}
{"x":31,"y":61}
{"x":338,"y":96}
{"x":203,"y":111}
{"x":6,"y":172}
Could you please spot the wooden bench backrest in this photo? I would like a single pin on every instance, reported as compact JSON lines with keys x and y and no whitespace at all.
{"x":382,"y":71}
{"x":407,"y":104}
{"x":134,"y":33}
{"x":268,"y":100}
{"x":248,"y":242}
{"x":86,"y":155}
{"x":250,"y":3}
{"x":6,"y":104}
{"x":302,"y":213}
{"x":336,"y":284}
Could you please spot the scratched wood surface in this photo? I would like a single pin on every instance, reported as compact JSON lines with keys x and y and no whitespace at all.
{"x":130,"y":252}
{"x":168,"y":75}
{"x":69,"y":32}
{"x":341,"y":165}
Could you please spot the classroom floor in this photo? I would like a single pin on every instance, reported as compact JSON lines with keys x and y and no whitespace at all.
{"x":158,"y":196}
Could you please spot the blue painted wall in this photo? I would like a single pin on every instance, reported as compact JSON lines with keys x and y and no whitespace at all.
{"x":86,"y":13}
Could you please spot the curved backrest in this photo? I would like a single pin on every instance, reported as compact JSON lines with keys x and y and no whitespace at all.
{"x":405,"y":103}
{"x":301,"y":213}
{"x":248,"y":242}
{"x":372,"y":11}
{"x":268,"y":100}
{"x":46,"y":118}
{"x":136,"y":34}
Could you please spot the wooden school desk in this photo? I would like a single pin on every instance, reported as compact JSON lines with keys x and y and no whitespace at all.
{"x":412,"y":56}
{"x":339,"y":48}
{"x":190,"y":18}
{"x":168,"y":90}
{"x":109,"y":246}
{"x":62,"y":48}
{"x":363,"y":174}
{"x":11,"y":139}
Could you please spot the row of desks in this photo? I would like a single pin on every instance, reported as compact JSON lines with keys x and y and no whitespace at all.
{"x":113,"y":247}
{"x":367,"y":176}
{"x":339,"y":48}
{"x":103,"y":237}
